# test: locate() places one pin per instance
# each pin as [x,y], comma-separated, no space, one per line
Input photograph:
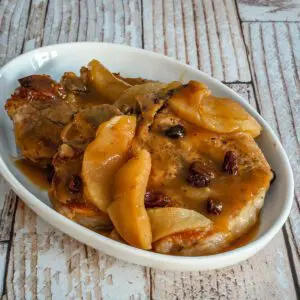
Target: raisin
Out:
[198,167]
[75,184]
[156,199]
[198,176]
[198,180]
[214,206]
[175,132]
[50,173]
[230,164]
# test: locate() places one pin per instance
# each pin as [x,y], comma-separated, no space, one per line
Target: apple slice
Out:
[106,83]
[169,220]
[195,105]
[127,211]
[130,97]
[104,156]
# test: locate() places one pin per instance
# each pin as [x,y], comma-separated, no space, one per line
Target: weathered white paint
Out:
[35,25]
[238,282]
[3,256]
[266,10]
[45,263]
[274,60]
[205,34]
[7,207]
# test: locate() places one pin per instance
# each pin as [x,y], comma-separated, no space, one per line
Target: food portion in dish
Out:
[165,167]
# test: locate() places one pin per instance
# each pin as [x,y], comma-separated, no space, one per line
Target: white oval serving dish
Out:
[133,62]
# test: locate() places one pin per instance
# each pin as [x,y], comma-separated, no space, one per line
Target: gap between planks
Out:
[274,68]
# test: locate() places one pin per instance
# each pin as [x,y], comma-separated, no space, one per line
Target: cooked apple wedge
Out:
[195,105]
[127,211]
[169,220]
[107,85]
[129,99]
[104,156]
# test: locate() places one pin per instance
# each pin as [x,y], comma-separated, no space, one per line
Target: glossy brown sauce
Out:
[92,97]
[35,174]
[172,158]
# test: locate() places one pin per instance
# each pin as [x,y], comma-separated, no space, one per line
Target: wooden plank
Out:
[133,23]
[205,34]
[13,19]
[265,276]
[62,22]
[93,20]
[52,23]
[246,280]
[7,9]
[266,10]
[272,54]
[35,25]
[45,263]
[8,201]
[3,255]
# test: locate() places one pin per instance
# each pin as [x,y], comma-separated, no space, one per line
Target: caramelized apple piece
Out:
[129,99]
[107,85]
[186,103]
[169,220]
[195,104]
[104,156]
[127,211]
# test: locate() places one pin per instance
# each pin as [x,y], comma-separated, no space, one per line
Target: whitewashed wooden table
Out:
[251,45]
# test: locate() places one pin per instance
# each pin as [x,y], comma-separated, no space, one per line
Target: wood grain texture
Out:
[265,276]
[25,24]
[46,264]
[93,20]
[3,256]
[35,25]
[8,201]
[13,20]
[205,34]
[274,60]
[21,27]
[269,10]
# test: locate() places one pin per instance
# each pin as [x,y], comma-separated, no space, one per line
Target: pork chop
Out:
[66,188]
[41,107]
[241,193]
[39,113]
